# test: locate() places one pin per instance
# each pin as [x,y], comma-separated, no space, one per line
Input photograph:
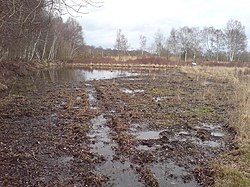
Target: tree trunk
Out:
[185,58]
[231,57]
[44,47]
[34,46]
[52,49]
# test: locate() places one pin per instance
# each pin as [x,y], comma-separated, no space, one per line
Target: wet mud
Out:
[78,127]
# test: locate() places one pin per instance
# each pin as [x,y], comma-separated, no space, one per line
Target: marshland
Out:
[183,126]
[124,93]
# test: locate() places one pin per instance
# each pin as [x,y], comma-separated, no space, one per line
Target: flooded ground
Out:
[93,127]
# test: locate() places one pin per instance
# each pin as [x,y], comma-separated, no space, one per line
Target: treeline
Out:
[229,44]
[34,29]
[192,43]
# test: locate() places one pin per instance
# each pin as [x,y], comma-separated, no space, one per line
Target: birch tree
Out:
[159,42]
[208,40]
[121,43]
[174,43]
[26,28]
[117,45]
[143,42]
[185,40]
[73,36]
[195,41]
[236,39]
[218,42]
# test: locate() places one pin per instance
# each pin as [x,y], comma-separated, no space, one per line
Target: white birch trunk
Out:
[185,56]
[44,47]
[34,46]
[52,49]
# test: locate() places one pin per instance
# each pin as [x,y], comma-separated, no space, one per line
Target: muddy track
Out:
[168,126]
[149,129]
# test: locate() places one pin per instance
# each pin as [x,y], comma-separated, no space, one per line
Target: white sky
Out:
[145,17]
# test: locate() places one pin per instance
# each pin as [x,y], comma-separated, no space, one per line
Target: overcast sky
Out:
[146,17]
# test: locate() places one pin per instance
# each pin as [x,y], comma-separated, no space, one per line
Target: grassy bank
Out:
[233,168]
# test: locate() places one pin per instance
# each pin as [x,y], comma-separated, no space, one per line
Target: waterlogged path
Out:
[94,127]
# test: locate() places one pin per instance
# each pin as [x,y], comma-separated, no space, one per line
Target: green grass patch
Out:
[202,110]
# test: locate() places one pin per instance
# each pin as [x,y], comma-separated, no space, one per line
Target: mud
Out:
[78,127]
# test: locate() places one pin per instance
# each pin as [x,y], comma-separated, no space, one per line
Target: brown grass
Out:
[233,168]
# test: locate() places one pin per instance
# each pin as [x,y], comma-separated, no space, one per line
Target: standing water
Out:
[118,173]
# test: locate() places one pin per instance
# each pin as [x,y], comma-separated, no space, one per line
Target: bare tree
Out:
[195,41]
[28,30]
[218,42]
[159,42]
[174,43]
[124,44]
[118,42]
[185,40]
[73,36]
[143,42]
[236,40]
[121,43]
[208,40]
[70,7]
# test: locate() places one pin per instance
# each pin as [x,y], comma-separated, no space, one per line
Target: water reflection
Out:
[80,74]
[39,81]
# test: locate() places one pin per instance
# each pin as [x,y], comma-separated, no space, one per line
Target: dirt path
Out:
[154,129]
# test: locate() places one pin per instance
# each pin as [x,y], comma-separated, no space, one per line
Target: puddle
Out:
[157,99]
[100,137]
[144,147]
[184,136]
[183,133]
[146,135]
[215,129]
[128,91]
[178,139]
[208,126]
[136,127]
[190,136]
[93,102]
[171,175]
[101,74]
[209,143]
[121,174]
[64,159]
[147,147]
[118,173]
[142,132]
[99,129]
[217,134]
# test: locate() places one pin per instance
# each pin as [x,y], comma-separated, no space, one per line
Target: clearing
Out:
[119,127]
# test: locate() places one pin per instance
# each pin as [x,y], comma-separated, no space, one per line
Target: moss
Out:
[202,110]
